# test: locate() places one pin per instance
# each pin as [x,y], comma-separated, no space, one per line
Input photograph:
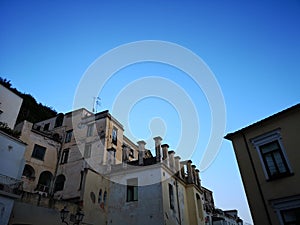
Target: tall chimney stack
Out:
[141,151]
[165,158]
[197,172]
[158,140]
[189,172]
[194,174]
[172,160]
[177,166]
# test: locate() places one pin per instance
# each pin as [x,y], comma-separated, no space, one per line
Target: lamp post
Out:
[77,218]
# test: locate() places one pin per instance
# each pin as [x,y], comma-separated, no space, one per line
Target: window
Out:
[65,156]
[171,196]
[132,190]
[46,127]
[100,196]
[104,197]
[68,136]
[272,155]
[59,183]
[38,152]
[90,130]
[114,136]
[287,209]
[28,172]
[131,154]
[291,216]
[273,158]
[87,151]
[199,205]
[44,181]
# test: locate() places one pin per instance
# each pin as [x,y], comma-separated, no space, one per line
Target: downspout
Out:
[179,215]
[51,191]
[256,178]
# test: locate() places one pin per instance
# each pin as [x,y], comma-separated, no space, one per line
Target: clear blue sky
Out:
[253,48]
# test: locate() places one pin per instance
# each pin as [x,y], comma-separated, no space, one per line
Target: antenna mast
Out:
[96,103]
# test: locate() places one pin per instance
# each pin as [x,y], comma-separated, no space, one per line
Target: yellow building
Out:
[268,157]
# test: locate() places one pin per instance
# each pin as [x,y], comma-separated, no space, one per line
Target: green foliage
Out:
[30,109]
[7,130]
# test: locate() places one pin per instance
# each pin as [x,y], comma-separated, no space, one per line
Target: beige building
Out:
[84,160]
[268,157]
[65,157]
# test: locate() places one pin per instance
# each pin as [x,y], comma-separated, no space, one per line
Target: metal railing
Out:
[10,185]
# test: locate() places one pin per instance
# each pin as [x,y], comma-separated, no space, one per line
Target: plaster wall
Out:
[10,105]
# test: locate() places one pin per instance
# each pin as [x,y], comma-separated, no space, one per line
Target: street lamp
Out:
[64,214]
[77,218]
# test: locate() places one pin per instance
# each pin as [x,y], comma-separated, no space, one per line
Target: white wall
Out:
[11,156]
[6,205]
[10,105]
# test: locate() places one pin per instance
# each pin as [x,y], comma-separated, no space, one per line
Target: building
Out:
[11,167]
[215,216]
[155,190]
[268,156]
[66,156]
[10,105]
[84,161]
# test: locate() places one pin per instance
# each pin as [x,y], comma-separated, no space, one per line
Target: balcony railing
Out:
[10,186]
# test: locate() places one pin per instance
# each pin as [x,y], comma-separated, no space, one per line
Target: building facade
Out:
[268,157]
[155,190]
[11,166]
[84,161]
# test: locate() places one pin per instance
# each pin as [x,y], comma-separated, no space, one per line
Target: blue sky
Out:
[253,49]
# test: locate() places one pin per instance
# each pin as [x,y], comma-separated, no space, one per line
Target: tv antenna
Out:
[96,103]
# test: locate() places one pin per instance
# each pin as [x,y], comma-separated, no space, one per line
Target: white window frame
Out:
[283,204]
[87,150]
[268,138]
[90,130]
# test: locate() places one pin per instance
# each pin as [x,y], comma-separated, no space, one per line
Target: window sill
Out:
[280,176]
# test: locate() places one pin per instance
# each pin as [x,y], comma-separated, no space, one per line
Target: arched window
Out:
[44,181]
[199,205]
[100,196]
[59,183]
[104,197]
[28,172]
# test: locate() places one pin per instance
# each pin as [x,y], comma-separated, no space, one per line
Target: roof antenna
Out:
[96,103]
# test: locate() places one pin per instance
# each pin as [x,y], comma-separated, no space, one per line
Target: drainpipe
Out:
[51,189]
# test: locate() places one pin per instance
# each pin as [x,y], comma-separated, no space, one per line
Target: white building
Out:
[11,167]
[10,105]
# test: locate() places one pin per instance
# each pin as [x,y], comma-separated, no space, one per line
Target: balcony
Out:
[10,187]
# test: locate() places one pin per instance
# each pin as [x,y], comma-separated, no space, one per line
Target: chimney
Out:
[172,160]
[165,149]
[183,164]
[194,174]
[189,172]
[125,155]
[141,152]
[177,166]
[197,178]
[111,153]
[157,148]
